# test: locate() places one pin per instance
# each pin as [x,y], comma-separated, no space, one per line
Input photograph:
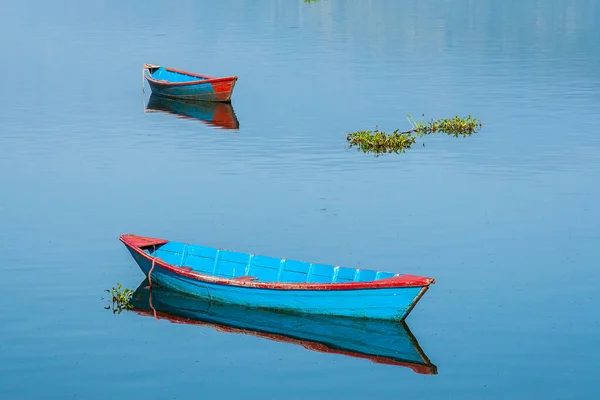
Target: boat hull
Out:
[383,342]
[394,303]
[220,91]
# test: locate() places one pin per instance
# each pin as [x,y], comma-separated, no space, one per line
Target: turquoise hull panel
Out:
[388,303]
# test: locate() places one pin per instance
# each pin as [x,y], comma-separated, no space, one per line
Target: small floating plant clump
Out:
[379,142]
[452,126]
[119,299]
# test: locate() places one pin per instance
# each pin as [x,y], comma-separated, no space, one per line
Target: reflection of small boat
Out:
[212,113]
[384,342]
[276,283]
[170,82]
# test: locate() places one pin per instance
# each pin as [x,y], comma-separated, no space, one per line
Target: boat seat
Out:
[246,278]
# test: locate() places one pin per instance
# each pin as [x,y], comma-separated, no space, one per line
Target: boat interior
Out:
[162,74]
[244,266]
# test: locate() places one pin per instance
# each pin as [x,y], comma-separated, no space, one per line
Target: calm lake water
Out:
[506,220]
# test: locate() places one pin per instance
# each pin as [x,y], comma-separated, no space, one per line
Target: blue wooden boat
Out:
[220,115]
[169,82]
[275,283]
[380,341]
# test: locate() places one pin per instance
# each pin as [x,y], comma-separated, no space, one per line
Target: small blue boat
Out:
[169,82]
[276,283]
[379,341]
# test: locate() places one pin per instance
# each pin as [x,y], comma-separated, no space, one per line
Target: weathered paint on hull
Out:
[210,91]
[384,342]
[384,303]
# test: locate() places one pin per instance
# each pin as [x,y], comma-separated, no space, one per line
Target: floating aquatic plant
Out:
[379,142]
[452,126]
[119,299]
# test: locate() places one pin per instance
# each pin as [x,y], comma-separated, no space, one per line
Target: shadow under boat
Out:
[380,341]
[216,114]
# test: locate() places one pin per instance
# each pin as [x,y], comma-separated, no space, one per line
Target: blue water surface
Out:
[506,220]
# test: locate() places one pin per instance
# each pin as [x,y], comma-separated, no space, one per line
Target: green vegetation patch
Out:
[379,142]
[119,299]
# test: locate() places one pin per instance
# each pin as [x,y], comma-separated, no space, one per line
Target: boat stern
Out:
[150,67]
[139,242]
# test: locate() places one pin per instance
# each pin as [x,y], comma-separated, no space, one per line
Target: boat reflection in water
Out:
[220,115]
[383,342]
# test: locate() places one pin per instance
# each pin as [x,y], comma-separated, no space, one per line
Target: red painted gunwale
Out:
[205,79]
[426,369]
[137,243]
